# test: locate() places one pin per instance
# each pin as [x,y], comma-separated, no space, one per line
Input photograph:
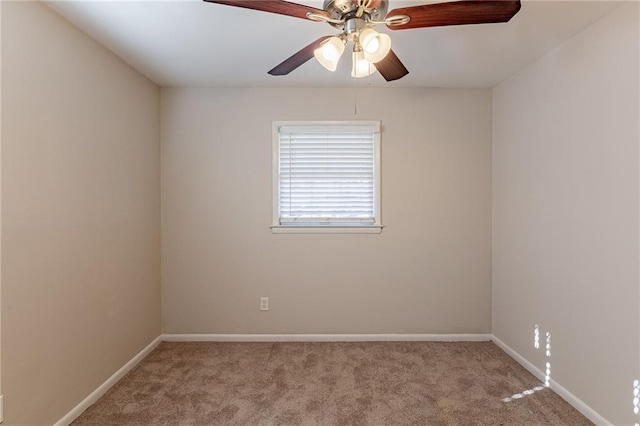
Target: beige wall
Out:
[565,212]
[429,270]
[80,214]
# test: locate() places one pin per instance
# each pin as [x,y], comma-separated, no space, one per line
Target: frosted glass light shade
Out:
[329,53]
[361,67]
[374,45]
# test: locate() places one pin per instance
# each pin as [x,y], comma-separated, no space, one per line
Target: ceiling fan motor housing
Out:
[342,9]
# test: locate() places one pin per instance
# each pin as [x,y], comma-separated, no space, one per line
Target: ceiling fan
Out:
[355,19]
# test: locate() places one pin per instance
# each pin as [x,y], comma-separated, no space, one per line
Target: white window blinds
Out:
[328,174]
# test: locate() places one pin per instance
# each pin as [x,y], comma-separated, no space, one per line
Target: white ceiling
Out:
[193,43]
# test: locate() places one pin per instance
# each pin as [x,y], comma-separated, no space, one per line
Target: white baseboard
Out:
[103,388]
[326,337]
[576,402]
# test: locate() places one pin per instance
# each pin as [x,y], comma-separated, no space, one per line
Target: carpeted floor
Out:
[372,383]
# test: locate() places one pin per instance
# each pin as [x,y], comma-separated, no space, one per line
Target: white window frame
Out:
[318,228]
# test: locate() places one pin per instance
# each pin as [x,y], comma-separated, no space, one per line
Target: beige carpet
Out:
[390,383]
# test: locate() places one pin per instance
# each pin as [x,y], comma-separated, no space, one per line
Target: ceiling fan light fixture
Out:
[361,67]
[329,53]
[374,45]
[355,19]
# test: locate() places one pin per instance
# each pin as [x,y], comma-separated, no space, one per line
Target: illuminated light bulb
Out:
[361,67]
[329,53]
[372,47]
[375,45]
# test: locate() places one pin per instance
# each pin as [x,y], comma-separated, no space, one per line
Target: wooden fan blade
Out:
[298,58]
[281,7]
[457,13]
[391,68]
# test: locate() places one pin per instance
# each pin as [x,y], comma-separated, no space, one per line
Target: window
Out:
[326,177]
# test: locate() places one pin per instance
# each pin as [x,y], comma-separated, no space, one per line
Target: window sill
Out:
[325,229]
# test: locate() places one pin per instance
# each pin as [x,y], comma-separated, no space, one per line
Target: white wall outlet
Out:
[264,303]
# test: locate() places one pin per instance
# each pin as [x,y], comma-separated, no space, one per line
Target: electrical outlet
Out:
[264,303]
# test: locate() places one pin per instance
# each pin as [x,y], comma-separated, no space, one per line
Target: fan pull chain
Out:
[355,97]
